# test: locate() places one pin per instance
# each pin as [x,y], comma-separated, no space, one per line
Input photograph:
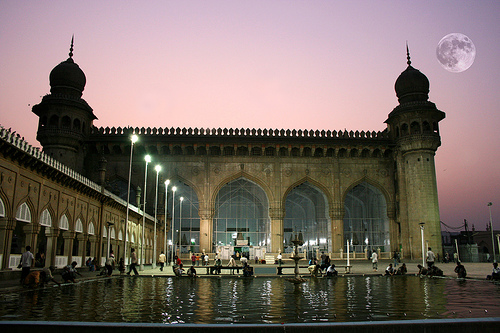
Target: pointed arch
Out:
[120,235]
[46,218]
[312,181]
[64,222]
[91,228]
[79,226]
[23,213]
[246,175]
[2,208]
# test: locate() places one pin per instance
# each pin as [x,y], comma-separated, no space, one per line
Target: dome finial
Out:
[408,54]
[71,47]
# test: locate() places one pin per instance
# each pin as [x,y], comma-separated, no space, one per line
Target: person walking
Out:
[110,264]
[161,260]
[27,261]
[133,262]
[374,259]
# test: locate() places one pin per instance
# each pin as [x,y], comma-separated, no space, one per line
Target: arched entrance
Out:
[306,213]
[366,225]
[241,216]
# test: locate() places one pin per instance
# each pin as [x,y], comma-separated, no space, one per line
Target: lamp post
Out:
[172,226]
[158,169]
[423,246]
[165,229]
[180,224]
[147,158]
[133,139]
[492,237]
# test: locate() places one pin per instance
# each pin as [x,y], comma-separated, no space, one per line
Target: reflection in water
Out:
[255,300]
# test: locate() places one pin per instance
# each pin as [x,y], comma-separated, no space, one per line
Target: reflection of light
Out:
[322,240]
[366,240]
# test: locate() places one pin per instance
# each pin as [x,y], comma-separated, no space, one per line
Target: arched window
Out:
[54,121]
[2,208]
[91,229]
[66,122]
[283,151]
[228,151]
[63,223]
[366,224]
[79,225]
[318,152]
[256,151]
[295,152]
[23,213]
[306,214]
[76,125]
[270,151]
[404,129]
[46,219]
[415,128]
[242,151]
[241,215]
[215,150]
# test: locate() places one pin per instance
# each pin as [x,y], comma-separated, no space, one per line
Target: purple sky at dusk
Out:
[268,64]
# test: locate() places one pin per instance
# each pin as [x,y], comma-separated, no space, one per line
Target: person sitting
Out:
[421,270]
[460,270]
[495,274]
[247,270]
[389,271]
[191,271]
[39,278]
[434,271]
[69,272]
[331,271]
[402,270]
[178,270]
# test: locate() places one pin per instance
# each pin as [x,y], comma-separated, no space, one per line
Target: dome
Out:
[67,78]
[411,86]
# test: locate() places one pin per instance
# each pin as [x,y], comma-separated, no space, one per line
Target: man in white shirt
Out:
[430,258]
[27,261]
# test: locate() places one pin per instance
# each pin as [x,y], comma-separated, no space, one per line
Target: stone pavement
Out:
[9,281]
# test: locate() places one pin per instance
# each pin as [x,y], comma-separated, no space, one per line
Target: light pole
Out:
[133,139]
[165,229]
[147,158]
[423,246]
[492,237]
[180,224]
[172,226]
[158,169]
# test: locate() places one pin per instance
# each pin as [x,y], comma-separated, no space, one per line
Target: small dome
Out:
[411,86]
[67,78]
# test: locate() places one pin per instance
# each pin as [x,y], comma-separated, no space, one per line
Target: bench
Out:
[279,270]
[215,270]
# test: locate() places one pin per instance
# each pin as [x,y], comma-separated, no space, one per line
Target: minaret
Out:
[65,118]
[413,126]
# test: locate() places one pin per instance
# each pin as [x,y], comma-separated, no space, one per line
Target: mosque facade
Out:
[243,190]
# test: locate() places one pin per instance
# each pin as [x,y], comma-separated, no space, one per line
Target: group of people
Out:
[316,267]
[390,270]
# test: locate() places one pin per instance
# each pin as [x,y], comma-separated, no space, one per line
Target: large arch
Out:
[241,215]
[307,215]
[366,224]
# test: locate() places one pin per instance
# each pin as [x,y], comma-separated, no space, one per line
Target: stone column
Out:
[93,246]
[206,230]
[337,218]
[277,215]
[82,246]
[52,234]
[7,226]
[31,231]
[69,237]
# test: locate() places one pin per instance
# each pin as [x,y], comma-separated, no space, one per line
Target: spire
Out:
[71,47]
[408,54]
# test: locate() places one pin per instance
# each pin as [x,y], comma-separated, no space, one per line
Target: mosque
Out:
[219,190]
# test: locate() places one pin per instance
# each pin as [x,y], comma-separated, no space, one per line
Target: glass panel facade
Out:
[306,213]
[241,215]
[366,224]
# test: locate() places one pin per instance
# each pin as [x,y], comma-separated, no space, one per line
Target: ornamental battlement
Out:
[239,132]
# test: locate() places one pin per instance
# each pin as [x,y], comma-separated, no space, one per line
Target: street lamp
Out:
[165,229]
[147,158]
[133,139]
[423,246]
[492,237]
[158,169]
[172,226]
[180,224]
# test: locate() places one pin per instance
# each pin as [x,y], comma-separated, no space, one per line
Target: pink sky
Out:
[267,64]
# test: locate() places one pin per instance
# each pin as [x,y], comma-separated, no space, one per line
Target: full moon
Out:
[456,52]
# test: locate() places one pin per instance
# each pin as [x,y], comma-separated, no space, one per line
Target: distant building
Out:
[244,190]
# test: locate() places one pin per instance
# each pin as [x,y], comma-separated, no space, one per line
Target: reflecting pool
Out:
[255,300]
